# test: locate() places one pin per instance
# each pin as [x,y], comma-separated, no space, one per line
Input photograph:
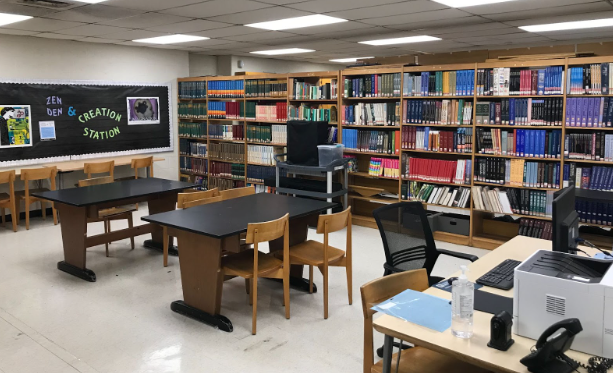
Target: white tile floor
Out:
[51,322]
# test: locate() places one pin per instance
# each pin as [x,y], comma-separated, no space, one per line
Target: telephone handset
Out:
[548,355]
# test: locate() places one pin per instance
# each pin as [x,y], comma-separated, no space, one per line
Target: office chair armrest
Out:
[391,269]
[455,254]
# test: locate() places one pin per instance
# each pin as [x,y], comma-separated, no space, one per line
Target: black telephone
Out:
[548,356]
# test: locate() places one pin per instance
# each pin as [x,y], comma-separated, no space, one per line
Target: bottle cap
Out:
[463,275]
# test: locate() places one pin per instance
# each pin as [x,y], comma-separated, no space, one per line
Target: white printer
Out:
[553,286]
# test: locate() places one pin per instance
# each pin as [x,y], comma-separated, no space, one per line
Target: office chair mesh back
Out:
[407,238]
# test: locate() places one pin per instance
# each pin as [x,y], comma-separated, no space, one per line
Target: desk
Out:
[76,205]
[201,232]
[474,350]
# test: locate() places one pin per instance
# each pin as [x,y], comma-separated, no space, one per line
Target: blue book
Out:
[511,112]
[609,181]
[426,135]
[542,148]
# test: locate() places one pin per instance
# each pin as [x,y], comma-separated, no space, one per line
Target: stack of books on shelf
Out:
[519,143]
[588,177]
[199,166]
[594,79]
[373,85]
[326,90]
[192,110]
[384,167]
[225,184]
[439,83]
[202,182]
[517,172]
[506,81]
[266,112]
[226,110]
[372,114]
[257,174]
[440,112]
[226,132]
[230,170]
[521,112]
[192,90]
[352,166]
[597,146]
[535,228]
[193,130]
[381,142]
[263,155]
[513,201]
[276,134]
[436,170]
[226,89]
[436,194]
[593,212]
[265,88]
[434,140]
[194,149]
[314,113]
[589,112]
[227,152]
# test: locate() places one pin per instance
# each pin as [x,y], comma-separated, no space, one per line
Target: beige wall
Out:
[202,65]
[274,66]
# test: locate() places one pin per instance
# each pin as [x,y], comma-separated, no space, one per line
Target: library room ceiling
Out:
[493,26]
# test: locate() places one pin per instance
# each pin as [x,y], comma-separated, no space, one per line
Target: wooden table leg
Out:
[74,234]
[202,280]
[157,205]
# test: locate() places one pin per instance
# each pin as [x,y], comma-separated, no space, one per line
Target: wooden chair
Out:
[36,174]
[322,255]
[7,201]
[99,168]
[413,360]
[113,213]
[252,264]
[237,192]
[138,163]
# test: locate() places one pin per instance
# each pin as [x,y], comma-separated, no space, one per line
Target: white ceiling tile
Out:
[92,30]
[146,20]
[288,41]
[424,26]
[261,36]
[7,31]
[599,6]
[513,6]
[324,6]
[416,6]
[94,13]
[493,32]
[52,35]
[261,15]
[408,19]
[133,34]
[242,45]
[331,30]
[24,10]
[498,42]
[209,43]
[100,40]
[189,26]
[151,5]
[43,25]
[280,2]
[229,31]
[215,8]
[479,27]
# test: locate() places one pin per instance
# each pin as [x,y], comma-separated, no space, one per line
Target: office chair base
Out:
[219,321]
[297,283]
[152,245]
[84,274]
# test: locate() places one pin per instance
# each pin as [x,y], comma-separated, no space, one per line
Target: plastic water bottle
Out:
[462,306]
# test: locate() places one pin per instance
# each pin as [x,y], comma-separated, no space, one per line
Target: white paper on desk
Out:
[419,308]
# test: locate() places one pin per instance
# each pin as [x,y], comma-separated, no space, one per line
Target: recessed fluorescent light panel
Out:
[7,19]
[354,59]
[275,52]
[297,22]
[467,3]
[409,39]
[576,25]
[171,39]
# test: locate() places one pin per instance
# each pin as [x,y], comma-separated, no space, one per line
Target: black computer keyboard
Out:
[501,277]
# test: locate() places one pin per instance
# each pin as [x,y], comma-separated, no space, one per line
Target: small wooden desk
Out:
[474,350]
[76,205]
[201,232]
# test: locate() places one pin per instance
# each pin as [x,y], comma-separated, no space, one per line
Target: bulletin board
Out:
[51,121]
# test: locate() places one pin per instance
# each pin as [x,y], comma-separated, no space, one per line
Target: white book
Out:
[445,198]
[578,172]
[475,199]
[432,195]
[450,202]
[506,204]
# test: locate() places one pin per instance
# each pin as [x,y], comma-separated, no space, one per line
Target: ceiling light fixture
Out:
[575,25]
[354,59]
[275,52]
[467,3]
[170,39]
[7,19]
[406,40]
[297,22]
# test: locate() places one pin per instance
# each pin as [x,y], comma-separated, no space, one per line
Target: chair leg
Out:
[286,291]
[131,225]
[27,206]
[310,279]
[349,283]
[325,291]
[254,292]
[43,210]
[165,245]
[54,212]
[3,217]
[107,229]
[247,286]
[250,284]
[14,216]
[17,211]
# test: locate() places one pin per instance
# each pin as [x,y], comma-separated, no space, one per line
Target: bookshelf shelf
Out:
[326,101]
[567,160]
[349,151]
[514,157]
[223,160]
[596,225]
[192,119]
[227,177]
[225,99]
[518,215]
[265,121]
[372,98]
[446,207]
[225,120]
[368,176]
[255,182]
[438,125]
[589,128]
[586,95]
[518,127]
[511,186]
[471,97]
[436,182]
[265,143]
[192,156]
[193,99]
[226,140]
[284,98]
[260,164]
[521,96]
[371,127]
[374,199]
[431,152]
[193,138]
[193,173]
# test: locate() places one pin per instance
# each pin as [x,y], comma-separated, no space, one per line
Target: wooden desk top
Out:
[475,350]
[70,166]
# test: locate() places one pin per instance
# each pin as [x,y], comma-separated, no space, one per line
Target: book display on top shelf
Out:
[524,81]
[266,88]
[589,79]
[439,83]
[315,88]
[372,85]
[226,89]
[192,90]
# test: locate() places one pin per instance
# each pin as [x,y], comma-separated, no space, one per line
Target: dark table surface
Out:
[96,194]
[231,217]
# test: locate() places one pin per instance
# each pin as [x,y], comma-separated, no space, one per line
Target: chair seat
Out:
[241,264]
[22,193]
[4,197]
[312,253]
[113,211]
[422,360]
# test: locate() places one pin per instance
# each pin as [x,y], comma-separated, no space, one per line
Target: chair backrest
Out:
[407,238]
[96,181]
[43,173]
[335,222]
[203,201]
[138,163]
[237,192]
[380,290]
[8,177]
[183,198]
[267,231]
[99,168]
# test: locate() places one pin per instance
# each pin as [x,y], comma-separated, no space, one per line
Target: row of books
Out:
[191,148]
[227,152]
[384,167]
[192,90]
[192,110]
[589,112]
[327,89]
[436,194]
[372,114]
[226,131]
[432,139]
[226,110]
[273,112]
[193,130]
[314,113]
[521,112]
[226,89]
[332,135]
[439,83]
[257,174]
[265,88]
[352,165]
[596,146]
[445,112]
[593,212]
[200,166]
[263,188]
[225,184]
[517,172]
[589,177]
[519,143]
[263,155]
[594,79]
[436,170]
[505,81]
[202,182]
[231,170]
[276,133]
[513,201]
[535,228]
[373,85]
[382,142]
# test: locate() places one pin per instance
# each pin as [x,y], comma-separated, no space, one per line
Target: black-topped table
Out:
[201,232]
[76,205]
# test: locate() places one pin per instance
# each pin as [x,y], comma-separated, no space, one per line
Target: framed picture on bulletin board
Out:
[143,110]
[15,126]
